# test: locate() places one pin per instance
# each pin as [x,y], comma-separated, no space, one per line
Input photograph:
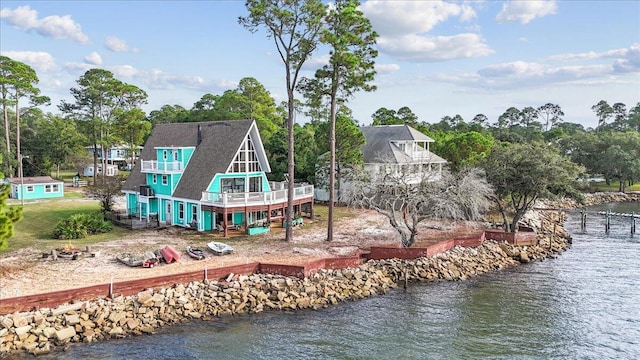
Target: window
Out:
[194,213]
[181,211]
[164,155]
[165,180]
[29,188]
[154,178]
[233,185]
[247,158]
[255,184]
[175,155]
[48,188]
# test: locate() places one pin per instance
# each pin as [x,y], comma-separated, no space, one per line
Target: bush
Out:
[78,226]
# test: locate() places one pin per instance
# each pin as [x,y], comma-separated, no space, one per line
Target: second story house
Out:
[399,150]
[208,176]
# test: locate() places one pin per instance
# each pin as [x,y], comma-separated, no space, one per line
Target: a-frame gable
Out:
[250,155]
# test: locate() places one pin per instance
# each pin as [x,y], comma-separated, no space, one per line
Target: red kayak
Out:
[169,254]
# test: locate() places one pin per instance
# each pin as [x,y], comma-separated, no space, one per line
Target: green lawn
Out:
[40,218]
[614,186]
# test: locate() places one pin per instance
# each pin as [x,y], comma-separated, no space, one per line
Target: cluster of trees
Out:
[525,154]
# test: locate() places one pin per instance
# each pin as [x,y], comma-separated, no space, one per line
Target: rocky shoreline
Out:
[46,330]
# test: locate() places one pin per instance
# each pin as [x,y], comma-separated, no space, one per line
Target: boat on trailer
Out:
[219,248]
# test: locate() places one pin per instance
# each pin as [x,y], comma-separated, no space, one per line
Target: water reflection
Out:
[582,305]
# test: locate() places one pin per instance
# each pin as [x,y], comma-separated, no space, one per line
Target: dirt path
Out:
[26,272]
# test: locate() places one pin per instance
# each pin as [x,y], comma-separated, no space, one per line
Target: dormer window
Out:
[175,155]
[164,155]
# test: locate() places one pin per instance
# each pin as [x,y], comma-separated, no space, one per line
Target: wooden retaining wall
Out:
[520,238]
[131,287]
[383,252]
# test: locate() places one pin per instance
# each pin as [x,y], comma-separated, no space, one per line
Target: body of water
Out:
[585,304]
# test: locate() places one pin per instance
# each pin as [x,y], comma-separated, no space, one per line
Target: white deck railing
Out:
[161,166]
[255,198]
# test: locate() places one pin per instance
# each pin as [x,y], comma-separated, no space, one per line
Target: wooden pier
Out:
[607,219]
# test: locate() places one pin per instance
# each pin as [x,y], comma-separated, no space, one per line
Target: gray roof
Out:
[220,142]
[33,180]
[378,146]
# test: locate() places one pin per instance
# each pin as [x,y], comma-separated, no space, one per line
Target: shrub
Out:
[78,226]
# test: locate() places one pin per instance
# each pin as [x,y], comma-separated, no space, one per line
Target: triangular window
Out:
[247,159]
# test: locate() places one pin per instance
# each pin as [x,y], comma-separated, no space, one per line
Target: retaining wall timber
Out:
[520,238]
[131,287]
[383,252]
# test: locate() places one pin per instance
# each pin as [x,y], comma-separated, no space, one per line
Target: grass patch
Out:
[612,187]
[40,218]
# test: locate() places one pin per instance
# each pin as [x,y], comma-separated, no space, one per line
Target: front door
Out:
[168,213]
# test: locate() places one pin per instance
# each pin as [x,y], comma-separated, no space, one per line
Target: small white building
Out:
[112,170]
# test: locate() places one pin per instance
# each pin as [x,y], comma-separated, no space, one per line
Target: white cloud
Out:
[384,69]
[118,45]
[316,62]
[54,26]
[403,28]
[74,68]
[393,18]
[422,48]
[93,59]
[525,11]
[40,61]
[625,60]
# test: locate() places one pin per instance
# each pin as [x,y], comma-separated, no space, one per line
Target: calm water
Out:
[583,305]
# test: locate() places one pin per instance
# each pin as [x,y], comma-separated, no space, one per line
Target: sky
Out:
[439,58]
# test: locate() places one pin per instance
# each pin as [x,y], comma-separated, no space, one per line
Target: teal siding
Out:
[132,204]
[38,191]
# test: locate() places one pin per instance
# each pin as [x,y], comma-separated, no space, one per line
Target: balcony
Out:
[162,167]
[255,198]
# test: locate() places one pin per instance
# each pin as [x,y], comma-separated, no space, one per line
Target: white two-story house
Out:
[398,150]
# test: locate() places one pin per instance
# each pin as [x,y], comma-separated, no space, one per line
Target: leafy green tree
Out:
[99,99]
[384,116]
[407,116]
[523,173]
[350,38]
[349,142]
[512,116]
[8,214]
[60,138]
[465,149]
[551,114]
[620,117]
[294,26]
[480,119]
[529,117]
[133,128]
[17,80]
[169,114]
[634,118]
[618,157]
[603,111]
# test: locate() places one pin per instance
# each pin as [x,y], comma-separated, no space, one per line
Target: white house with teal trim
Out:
[35,187]
[209,176]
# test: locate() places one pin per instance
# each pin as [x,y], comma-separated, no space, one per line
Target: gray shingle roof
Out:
[378,145]
[220,142]
[30,180]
